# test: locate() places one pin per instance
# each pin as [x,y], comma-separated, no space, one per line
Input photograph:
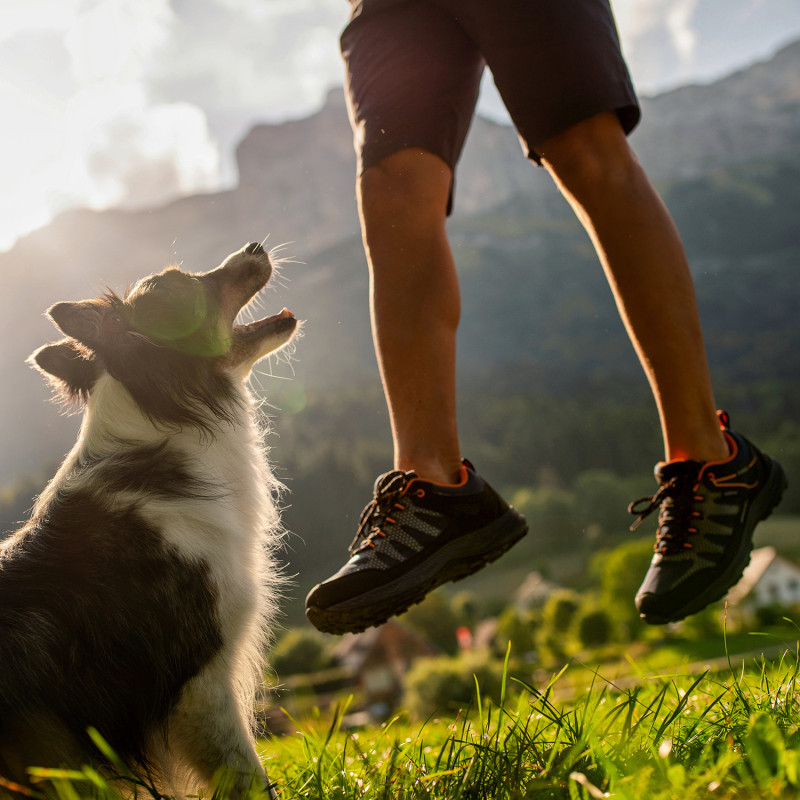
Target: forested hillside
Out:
[550,391]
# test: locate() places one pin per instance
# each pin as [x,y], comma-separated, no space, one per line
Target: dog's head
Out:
[172,341]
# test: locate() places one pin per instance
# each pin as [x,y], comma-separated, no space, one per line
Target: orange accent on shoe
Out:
[727,481]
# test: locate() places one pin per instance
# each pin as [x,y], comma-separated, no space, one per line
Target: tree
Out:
[604,499]
[619,573]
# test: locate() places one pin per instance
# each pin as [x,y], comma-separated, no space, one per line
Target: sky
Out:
[130,103]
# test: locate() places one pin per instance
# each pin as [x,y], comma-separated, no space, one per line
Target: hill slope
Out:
[548,378]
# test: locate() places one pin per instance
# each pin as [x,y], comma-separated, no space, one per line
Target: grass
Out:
[731,734]
[728,735]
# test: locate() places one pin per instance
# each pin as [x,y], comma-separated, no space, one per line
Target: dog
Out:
[138,599]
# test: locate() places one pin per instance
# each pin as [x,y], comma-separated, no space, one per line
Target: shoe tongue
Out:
[389,481]
[666,471]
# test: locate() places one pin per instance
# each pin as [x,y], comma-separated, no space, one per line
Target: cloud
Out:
[133,102]
[671,42]
[82,127]
[659,39]
[246,61]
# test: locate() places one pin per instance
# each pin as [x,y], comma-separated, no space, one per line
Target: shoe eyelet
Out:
[420,493]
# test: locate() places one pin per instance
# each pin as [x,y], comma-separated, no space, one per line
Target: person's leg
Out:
[415,307]
[412,82]
[643,257]
[432,519]
[715,485]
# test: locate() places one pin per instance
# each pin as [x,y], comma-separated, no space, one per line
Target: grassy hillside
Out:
[725,734]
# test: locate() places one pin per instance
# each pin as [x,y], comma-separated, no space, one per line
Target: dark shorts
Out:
[413,70]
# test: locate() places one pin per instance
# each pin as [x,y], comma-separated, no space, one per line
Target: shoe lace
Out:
[675,500]
[374,517]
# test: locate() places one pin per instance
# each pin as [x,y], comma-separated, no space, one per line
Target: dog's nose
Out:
[254,249]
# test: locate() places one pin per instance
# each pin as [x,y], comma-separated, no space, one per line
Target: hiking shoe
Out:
[412,537]
[707,514]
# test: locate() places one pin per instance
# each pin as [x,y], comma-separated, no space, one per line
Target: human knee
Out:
[592,155]
[409,188]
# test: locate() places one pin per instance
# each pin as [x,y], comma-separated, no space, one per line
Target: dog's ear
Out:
[70,370]
[78,320]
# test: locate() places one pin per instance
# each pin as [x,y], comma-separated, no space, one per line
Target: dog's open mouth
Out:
[253,340]
[284,321]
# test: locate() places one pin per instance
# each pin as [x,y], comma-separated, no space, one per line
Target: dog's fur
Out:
[138,598]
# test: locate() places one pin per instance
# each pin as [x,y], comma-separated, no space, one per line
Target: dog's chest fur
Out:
[206,496]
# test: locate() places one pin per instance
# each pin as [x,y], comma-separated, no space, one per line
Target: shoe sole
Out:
[762,507]
[455,561]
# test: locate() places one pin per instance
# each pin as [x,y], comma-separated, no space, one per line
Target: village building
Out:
[379,659]
[769,580]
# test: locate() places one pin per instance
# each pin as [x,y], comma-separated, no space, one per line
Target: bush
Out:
[448,684]
[593,626]
[300,652]
[518,628]
[557,616]
[619,573]
[604,499]
[768,616]
[559,610]
[467,608]
[551,513]
[435,619]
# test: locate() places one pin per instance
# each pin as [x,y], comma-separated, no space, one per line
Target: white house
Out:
[768,580]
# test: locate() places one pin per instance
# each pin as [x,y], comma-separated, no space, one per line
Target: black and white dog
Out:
[138,598]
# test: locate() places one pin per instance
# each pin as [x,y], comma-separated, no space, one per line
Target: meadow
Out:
[729,733]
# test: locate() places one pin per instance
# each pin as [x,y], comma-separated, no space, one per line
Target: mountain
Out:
[724,154]
[753,114]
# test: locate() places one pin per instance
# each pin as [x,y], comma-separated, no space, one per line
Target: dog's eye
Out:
[115,321]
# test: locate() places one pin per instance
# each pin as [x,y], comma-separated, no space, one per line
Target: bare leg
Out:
[646,266]
[415,305]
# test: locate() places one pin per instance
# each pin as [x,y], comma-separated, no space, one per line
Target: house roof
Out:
[534,591]
[355,648]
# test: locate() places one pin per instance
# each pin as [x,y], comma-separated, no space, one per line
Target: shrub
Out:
[300,652]
[519,628]
[448,684]
[435,619]
[619,573]
[593,626]
[551,513]
[557,616]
